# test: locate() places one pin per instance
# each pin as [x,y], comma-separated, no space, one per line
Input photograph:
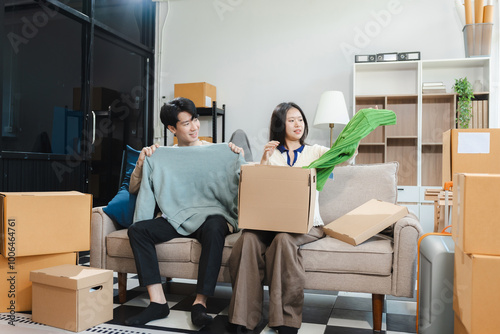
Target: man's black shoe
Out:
[199,315]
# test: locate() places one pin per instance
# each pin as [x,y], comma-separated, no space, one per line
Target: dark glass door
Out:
[120,105]
[66,66]
[42,134]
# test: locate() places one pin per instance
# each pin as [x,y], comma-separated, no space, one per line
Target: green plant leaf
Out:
[465,94]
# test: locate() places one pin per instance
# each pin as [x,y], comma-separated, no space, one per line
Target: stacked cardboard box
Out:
[39,230]
[476,232]
[470,151]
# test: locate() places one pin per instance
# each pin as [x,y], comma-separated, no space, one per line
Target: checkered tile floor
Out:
[325,312]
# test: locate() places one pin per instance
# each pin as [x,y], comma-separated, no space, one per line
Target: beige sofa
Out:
[381,266]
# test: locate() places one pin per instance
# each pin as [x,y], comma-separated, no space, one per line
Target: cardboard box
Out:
[72,297]
[458,326]
[277,198]
[476,291]
[365,221]
[201,93]
[15,284]
[37,223]
[470,151]
[475,222]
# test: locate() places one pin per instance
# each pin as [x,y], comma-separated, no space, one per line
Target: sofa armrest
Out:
[100,226]
[407,231]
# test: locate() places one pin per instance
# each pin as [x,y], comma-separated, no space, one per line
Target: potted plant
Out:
[465,93]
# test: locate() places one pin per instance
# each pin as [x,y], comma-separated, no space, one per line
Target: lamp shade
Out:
[331,109]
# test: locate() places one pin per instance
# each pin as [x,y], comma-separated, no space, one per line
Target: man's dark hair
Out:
[169,112]
[277,129]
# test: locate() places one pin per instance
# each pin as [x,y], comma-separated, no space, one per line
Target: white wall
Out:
[262,52]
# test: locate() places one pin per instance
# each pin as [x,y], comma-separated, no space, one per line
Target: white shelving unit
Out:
[416,140]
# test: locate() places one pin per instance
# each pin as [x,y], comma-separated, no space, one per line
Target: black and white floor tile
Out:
[325,312]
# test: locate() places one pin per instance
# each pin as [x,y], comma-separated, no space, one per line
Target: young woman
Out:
[260,257]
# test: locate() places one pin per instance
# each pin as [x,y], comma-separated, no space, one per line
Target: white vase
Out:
[477,86]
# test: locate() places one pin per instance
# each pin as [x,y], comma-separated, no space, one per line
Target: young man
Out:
[181,118]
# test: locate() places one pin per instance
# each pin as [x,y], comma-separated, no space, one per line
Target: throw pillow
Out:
[131,157]
[121,208]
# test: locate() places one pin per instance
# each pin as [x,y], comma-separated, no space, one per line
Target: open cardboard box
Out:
[277,198]
[365,221]
[72,297]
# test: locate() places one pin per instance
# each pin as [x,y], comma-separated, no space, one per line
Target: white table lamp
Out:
[331,110]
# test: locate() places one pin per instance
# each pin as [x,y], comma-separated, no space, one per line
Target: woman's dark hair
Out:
[277,129]
[169,112]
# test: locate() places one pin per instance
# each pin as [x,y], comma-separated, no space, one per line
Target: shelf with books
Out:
[421,94]
[480,111]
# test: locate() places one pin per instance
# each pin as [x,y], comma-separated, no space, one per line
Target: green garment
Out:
[363,122]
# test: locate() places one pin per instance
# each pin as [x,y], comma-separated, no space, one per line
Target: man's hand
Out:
[236,149]
[146,152]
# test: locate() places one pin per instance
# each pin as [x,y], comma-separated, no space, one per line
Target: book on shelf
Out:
[479,118]
[432,84]
[433,88]
[473,120]
[485,114]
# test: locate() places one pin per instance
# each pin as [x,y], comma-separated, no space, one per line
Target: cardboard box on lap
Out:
[72,297]
[365,221]
[37,223]
[459,327]
[470,151]
[475,222]
[476,292]
[15,284]
[201,93]
[277,198]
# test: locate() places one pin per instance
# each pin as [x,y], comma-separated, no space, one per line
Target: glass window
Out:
[79,5]
[41,68]
[124,16]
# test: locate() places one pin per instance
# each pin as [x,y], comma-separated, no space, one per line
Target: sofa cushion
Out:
[121,207]
[372,257]
[175,250]
[352,186]
[226,252]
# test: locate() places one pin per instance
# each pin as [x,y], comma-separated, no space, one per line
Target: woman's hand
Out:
[146,152]
[236,149]
[268,151]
